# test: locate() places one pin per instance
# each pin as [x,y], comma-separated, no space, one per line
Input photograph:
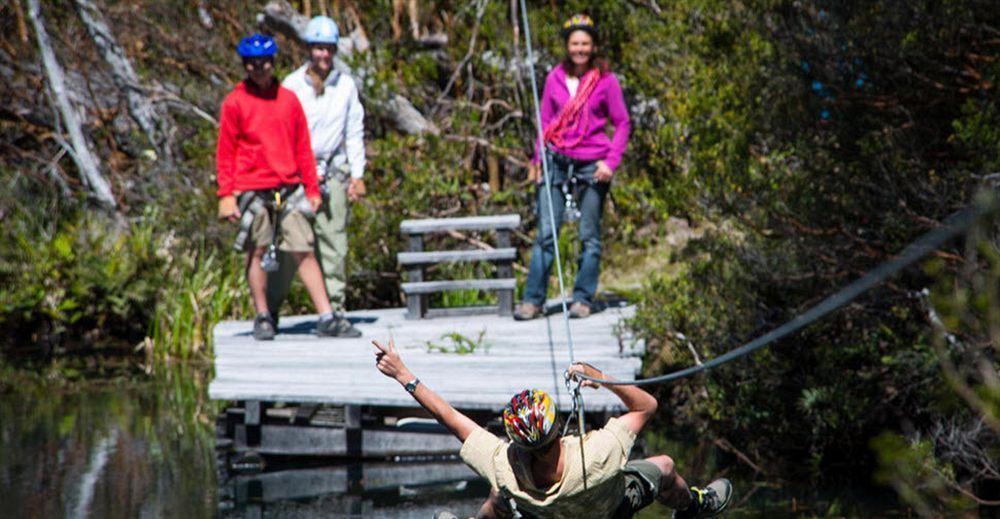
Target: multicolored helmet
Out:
[579,22]
[530,419]
[257,46]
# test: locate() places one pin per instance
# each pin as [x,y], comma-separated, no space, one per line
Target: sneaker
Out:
[526,312]
[579,310]
[337,327]
[709,501]
[263,328]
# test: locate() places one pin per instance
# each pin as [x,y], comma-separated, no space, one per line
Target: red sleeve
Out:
[303,149]
[225,151]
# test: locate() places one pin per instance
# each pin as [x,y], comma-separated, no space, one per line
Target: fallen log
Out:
[151,118]
[280,16]
[77,146]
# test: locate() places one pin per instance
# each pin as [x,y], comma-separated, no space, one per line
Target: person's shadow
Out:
[309,327]
[602,302]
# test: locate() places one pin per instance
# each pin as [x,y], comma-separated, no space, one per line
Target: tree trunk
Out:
[78,145]
[152,119]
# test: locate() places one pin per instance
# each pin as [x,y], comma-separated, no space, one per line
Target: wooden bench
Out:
[415,260]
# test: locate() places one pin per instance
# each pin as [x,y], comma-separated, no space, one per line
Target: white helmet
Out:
[322,29]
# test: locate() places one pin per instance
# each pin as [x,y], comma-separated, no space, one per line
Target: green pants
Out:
[330,227]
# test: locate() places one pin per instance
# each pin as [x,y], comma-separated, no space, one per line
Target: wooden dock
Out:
[304,395]
[508,356]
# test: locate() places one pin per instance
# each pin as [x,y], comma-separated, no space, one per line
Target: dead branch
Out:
[282,17]
[205,17]
[22,28]
[78,146]
[724,444]
[506,153]
[481,245]
[480,10]
[152,119]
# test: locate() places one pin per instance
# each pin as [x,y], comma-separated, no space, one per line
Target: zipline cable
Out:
[545,174]
[954,225]
[577,395]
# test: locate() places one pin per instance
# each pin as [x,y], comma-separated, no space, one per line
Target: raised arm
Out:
[641,405]
[391,365]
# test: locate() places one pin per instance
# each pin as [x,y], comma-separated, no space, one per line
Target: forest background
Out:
[780,149]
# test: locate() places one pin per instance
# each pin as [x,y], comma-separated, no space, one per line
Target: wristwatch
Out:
[411,386]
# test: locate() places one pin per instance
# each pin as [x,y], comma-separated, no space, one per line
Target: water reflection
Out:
[371,489]
[119,450]
[148,449]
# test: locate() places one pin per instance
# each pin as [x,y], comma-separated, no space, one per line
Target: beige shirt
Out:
[508,469]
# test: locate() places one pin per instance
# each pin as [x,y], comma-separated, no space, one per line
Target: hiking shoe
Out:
[526,312]
[709,501]
[337,327]
[579,310]
[263,328]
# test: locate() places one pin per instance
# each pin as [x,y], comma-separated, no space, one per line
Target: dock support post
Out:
[505,298]
[416,304]
[353,432]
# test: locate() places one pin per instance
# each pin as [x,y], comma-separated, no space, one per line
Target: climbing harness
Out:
[278,203]
[573,187]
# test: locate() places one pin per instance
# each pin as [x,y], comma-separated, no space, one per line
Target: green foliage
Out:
[78,278]
[815,130]
[919,478]
[460,344]
[208,288]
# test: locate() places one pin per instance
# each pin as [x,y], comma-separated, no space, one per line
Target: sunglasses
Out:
[258,63]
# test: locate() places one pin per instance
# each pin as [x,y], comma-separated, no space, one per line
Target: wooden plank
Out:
[317,482]
[470,223]
[455,256]
[326,441]
[430,287]
[491,400]
[462,311]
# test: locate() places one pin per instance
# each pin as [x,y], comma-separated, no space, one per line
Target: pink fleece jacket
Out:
[606,102]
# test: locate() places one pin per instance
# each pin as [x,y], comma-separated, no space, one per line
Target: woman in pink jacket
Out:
[581,96]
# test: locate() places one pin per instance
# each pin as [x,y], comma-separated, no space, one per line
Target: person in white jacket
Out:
[336,129]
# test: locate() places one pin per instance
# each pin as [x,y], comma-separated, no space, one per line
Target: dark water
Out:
[145,446]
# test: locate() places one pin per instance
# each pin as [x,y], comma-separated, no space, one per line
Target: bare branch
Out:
[153,121]
[282,17]
[78,146]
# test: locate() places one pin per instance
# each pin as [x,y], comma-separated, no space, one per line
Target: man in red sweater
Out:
[264,152]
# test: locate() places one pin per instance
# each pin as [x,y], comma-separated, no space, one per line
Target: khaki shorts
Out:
[642,484]
[296,232]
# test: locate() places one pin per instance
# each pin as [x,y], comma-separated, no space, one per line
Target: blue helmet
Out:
[322,29]
[257,46]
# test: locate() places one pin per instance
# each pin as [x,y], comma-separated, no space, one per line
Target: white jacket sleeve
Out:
[354,134]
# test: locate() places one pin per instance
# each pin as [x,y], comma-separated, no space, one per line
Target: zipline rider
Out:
[264,155]
[539,474]
[336,129]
